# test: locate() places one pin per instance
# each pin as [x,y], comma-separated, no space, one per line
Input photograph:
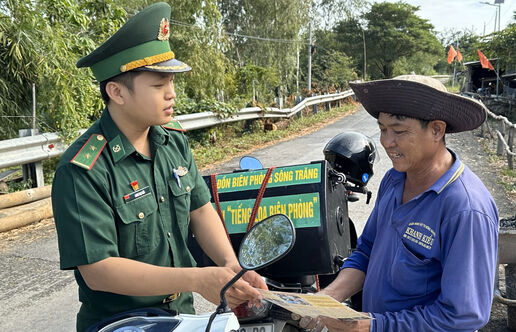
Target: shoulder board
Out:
[90,151]
[174,125]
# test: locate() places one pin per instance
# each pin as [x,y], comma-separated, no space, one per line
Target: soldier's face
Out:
[152,98]
[409,146]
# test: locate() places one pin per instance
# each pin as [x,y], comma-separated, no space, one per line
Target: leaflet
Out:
[312,305]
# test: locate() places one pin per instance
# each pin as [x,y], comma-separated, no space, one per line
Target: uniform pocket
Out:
[409,274]
[139,227]
[181,198]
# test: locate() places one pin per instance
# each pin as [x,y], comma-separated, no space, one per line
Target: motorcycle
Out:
[266,243]
[347,168]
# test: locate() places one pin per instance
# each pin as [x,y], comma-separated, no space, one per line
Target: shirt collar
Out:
[445,180]
[450,176]
[119,145]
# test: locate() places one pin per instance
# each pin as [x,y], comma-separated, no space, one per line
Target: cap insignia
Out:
[164,31]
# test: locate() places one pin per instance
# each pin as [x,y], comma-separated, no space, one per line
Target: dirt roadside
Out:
[470,147]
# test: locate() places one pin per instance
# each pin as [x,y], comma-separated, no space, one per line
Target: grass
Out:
[238,140]
[508,179]
[506,176]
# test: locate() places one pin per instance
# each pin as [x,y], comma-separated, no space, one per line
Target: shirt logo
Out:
[420,234]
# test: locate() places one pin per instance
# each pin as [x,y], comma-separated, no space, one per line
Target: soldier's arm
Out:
[129,277]
[209,233]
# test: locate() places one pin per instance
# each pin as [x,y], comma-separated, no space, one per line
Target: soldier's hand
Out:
[214,278]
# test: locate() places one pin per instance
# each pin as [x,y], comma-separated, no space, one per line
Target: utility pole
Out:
[33,108]
[499,2]
[297,70]
[365,56]
[309,56]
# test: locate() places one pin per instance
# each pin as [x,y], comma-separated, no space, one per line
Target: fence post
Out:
[499,145]
[33,171]
[314,106]
[510,143]
[483,128]
[328,106]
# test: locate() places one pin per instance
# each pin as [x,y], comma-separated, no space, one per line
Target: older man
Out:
[426,259]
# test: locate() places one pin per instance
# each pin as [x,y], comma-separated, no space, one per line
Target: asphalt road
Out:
[36,296]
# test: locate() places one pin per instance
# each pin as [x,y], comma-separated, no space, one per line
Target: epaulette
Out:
[174,125]
[90,151]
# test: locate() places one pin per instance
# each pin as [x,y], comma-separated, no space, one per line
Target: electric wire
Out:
[235,34]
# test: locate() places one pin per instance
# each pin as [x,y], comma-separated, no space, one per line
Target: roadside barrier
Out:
[34,149]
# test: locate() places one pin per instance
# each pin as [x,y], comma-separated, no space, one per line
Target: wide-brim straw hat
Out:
[420,97]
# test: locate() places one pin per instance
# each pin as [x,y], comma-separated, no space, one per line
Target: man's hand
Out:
[333,324]
[214,278]
[337,325]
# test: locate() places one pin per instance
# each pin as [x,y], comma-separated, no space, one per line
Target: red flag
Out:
[459,56]
[484,61]
[451,54]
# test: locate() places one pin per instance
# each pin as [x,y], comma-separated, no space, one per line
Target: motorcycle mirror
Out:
[250,163]
[267,242]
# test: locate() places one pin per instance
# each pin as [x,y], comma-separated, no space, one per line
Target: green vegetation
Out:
[239,140]
[244,52]
[508,180]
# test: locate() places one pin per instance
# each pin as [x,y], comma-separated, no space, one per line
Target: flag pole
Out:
[454,68]
[498,79]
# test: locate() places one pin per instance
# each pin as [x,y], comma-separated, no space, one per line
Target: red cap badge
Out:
[164,31]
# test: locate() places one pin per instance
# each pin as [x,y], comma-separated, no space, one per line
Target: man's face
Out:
[409,146]
[152,99]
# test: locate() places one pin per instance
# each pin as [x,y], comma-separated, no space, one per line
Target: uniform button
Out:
[187,188]
[141,215]
[168,234]
[162,199]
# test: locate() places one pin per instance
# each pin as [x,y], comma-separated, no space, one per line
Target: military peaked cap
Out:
[141,44]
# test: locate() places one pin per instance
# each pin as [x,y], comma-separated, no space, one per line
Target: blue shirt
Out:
[430,262]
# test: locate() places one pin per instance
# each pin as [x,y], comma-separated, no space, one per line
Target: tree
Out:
[41,40]
[349,36]
[501,45]
[265,33]
[466,41]
[393,32]
[331,68]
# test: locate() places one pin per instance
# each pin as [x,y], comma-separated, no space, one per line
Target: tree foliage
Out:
[501,45]
[41,40]
[238,49]
[274,29]
[394,32]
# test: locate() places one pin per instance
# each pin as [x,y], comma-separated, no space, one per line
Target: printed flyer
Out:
[312,305]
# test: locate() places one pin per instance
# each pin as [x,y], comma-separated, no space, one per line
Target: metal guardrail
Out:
[30,149]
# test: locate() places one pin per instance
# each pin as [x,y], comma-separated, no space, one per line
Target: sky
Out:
[463,14]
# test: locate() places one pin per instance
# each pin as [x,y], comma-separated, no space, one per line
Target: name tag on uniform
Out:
[137,194]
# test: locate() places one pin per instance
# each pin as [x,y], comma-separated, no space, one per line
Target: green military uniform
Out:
[111,201]
[126,205]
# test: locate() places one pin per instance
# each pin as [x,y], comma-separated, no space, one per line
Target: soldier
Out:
[127,191]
